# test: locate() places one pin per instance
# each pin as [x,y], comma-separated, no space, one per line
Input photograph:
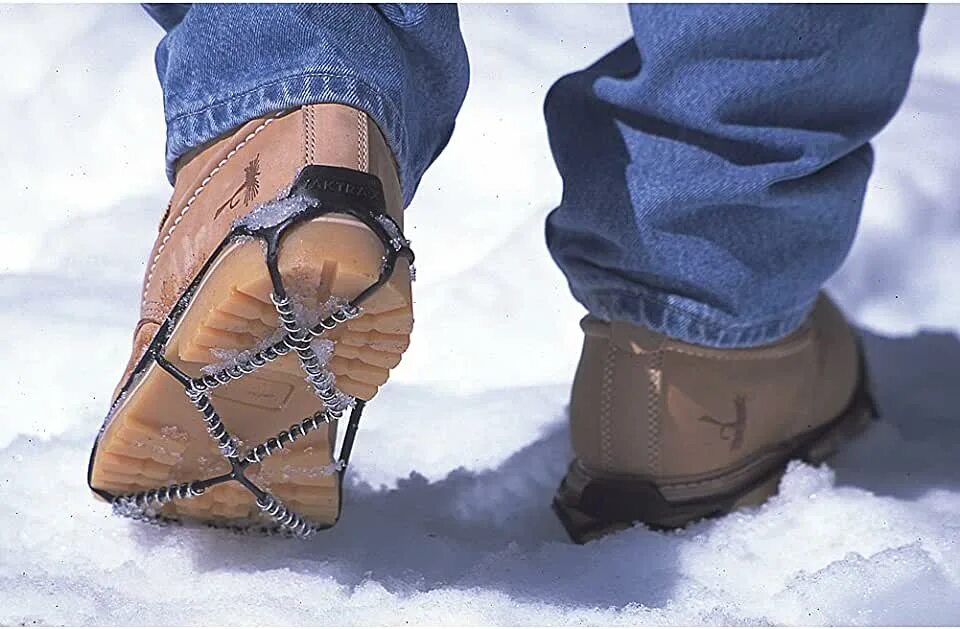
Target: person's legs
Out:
[714,166]
[405,65]
[714,169]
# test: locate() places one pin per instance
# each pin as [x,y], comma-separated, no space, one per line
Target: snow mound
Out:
[479,547]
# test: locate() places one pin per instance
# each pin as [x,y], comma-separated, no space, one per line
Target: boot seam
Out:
[309,135]
[606,407]
[196,193]
[363,142]
[654,384]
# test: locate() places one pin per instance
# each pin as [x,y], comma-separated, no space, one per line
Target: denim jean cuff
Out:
[690,322]
[196,127]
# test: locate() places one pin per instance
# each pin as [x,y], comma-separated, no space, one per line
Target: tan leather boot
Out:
[665,432]
[277,291]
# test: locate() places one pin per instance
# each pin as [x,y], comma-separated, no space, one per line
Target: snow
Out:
[274,212]
[447,519]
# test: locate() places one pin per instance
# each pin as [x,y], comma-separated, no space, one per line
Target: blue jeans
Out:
[714,166]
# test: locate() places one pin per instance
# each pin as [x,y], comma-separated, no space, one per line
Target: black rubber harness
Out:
[326,190]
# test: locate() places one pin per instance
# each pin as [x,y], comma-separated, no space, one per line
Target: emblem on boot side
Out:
[731,431]
[247,190]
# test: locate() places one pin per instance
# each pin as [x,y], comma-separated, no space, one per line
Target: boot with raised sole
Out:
[276,301]
[665,432]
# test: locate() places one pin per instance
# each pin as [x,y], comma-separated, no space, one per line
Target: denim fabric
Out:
[714,166]
[221,65]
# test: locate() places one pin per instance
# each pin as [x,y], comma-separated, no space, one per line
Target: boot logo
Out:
[247,190]
[731,431]
[349,188]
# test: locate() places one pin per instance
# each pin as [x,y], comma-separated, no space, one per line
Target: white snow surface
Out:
[447,516]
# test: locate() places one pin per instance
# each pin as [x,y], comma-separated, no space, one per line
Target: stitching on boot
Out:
[198,191]
[654,384]
[309,136]
[606,406]
[363,154]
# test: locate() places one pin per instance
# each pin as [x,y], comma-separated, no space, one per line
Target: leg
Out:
[714,170]
[714,167]
[295,135]
[403,64]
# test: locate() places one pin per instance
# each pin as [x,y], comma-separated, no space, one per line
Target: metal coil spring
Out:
[321,379]
[215,428]
[243,367]
[289,320]
[285,518]
[155,498]
[143,505]
[333,398]
[296,431]
[139,515]
[301,336]
[287,317]
[344,314]
[296,339]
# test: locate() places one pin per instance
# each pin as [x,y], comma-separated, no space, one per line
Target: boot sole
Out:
[155,436]
[590,506]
